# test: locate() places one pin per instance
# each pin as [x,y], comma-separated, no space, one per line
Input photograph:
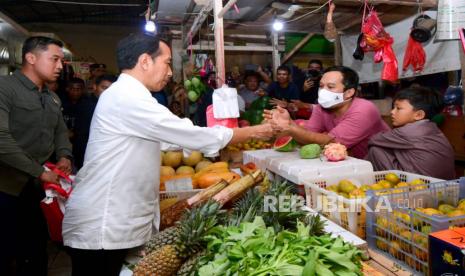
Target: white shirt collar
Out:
[126,78]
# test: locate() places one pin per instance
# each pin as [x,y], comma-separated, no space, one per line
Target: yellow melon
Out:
[192,160]
[172,159]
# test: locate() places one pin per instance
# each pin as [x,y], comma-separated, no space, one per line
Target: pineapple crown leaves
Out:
[315,223]
[195,225]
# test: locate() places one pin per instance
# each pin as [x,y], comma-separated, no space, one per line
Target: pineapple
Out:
[161,262]
[189,267]
[165,237]
[190,231]
[317,226]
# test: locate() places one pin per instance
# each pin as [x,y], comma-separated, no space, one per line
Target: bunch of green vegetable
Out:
[195,88]
[253,249]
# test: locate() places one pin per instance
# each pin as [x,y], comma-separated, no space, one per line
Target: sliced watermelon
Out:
[284,144]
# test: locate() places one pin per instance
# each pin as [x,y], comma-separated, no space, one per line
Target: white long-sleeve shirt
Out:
[115,196]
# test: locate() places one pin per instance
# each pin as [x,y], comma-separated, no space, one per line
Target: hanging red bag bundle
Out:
[376,39]
[414,55]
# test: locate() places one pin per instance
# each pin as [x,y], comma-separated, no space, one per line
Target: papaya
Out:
[208,179]
[214,167]
[248,168]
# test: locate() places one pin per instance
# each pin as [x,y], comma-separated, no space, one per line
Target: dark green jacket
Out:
[31,130]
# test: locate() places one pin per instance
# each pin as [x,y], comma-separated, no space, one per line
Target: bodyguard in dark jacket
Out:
[31,131]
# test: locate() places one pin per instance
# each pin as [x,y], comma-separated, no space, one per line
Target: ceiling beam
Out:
[423,3]
[251,48]
[198,21]
[189,11]
[297,47]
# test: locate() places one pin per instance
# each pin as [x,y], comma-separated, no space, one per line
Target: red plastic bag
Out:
[414,55]
[376,39]
[53,205]
[212,121]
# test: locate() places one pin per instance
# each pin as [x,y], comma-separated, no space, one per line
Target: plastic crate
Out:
[350,213]
[400,231]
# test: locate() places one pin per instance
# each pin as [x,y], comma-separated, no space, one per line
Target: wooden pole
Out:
[219,43]
[338,51]
[276,58]
[462,66]
[226,8]
[297,47]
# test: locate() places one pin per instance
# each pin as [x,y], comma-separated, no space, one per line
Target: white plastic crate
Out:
[349,213]
[290,166]
[260,157]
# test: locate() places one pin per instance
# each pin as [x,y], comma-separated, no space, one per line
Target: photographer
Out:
[312,82]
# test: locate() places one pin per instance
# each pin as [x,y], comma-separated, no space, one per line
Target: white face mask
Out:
[328,99]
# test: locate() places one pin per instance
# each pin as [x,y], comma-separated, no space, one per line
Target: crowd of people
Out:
[110,131]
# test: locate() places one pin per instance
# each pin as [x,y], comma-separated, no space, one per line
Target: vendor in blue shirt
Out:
[283,90]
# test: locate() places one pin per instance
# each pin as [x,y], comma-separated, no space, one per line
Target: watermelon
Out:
[261,103]
[255,117]
[284,144]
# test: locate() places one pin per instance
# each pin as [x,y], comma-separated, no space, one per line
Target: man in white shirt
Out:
[115,201]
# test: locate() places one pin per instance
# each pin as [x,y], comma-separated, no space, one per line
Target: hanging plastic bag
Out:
[53,205]
[225,104]
[414,55]
[376,39]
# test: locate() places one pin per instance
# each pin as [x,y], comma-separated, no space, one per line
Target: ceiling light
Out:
[150,27]
[278,25]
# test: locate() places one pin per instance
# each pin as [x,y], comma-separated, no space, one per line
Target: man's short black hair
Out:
[110,78]
[76,81]
[317,61]
[253,75]
[131,47]
[422,98]
[349,76]
[284,68]
[40,43]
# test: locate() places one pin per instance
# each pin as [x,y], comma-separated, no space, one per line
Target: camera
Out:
[312,75]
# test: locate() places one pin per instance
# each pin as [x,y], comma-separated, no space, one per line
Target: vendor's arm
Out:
[282,123]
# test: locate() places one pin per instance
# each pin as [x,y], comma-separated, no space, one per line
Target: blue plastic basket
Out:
[398,229]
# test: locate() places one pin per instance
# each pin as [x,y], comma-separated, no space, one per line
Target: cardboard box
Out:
[447,252]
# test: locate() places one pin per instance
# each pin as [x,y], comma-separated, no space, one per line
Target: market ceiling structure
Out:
[254,17]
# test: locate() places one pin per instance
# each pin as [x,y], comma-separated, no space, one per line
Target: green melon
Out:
[284,144]
[310,151]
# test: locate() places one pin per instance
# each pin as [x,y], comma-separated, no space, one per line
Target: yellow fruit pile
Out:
[413,241]
[347,189]
[250,145]
[175,165]
[405,241]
